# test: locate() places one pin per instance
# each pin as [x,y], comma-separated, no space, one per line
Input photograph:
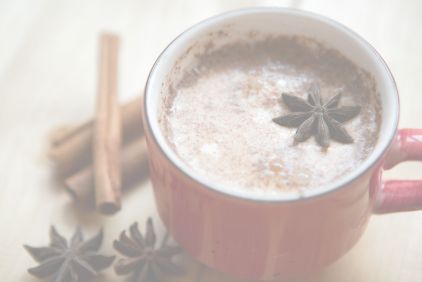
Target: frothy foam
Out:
[218,119]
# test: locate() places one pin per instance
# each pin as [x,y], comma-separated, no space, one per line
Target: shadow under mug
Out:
[262,238]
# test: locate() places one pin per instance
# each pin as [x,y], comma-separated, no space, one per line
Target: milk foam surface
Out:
[218,118]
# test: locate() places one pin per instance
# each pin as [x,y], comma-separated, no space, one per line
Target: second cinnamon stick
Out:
[71,148]
[134,166]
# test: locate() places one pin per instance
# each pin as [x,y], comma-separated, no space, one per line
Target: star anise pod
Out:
[73,261]
[145,261]
[313,117]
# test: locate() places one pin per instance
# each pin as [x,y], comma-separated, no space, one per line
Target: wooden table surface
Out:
[48,66]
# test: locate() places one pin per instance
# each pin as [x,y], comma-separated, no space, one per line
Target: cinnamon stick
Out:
[133,165]
[63,133]
[107,130]
[71,147]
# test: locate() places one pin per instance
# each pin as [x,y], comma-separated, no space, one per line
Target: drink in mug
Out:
[268,130]
[219,116]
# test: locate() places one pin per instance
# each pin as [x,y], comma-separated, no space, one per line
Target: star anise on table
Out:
[144,260]
[313,117]
[73,261]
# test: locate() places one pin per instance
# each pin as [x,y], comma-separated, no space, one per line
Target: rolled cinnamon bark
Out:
[134,166]
[107,130]
[71,147]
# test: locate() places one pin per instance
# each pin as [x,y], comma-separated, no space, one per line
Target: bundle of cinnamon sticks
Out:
[98,158]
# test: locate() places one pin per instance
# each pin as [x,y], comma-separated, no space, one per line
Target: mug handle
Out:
[401,195]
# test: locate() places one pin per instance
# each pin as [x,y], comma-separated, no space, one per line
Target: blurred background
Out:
[48,72]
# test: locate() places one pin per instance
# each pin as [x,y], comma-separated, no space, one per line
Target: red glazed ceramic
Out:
[281,236]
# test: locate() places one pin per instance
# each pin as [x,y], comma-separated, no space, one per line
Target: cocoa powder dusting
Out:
[218,115]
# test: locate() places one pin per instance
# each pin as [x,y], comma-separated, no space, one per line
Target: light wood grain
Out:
[48,53]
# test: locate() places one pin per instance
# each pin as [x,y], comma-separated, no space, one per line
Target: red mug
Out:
[281,236]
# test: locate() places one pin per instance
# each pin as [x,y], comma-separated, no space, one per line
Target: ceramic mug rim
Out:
[385,140]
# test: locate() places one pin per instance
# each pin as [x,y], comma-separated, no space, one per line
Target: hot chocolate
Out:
[218,118]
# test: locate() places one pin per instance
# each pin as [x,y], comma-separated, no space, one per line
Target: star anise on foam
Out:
[313,117]
[73,261]
[144,260]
